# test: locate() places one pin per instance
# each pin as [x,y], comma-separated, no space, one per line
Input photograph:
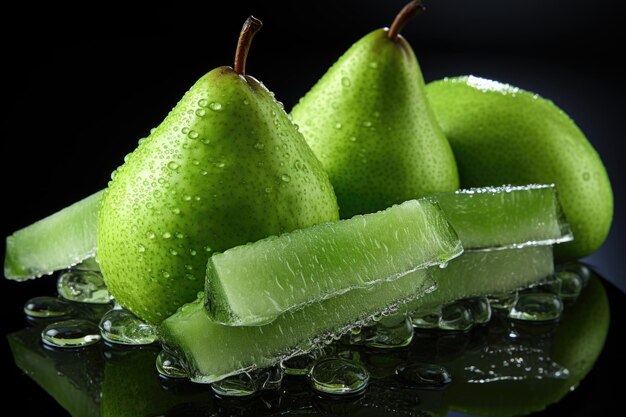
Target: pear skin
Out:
[226,167]
[368,120]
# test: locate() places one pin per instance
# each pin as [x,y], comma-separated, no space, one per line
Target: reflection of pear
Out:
[576,345]
[131,387]
[73,379]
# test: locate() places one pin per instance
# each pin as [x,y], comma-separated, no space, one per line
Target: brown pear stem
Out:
[408,12]
[249,29]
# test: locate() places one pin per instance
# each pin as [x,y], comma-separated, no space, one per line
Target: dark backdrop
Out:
[77,93]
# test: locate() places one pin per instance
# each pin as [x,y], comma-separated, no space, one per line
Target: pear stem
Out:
[408,12]
[251,26]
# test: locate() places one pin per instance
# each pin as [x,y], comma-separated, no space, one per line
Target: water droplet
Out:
[427,319]
[165,274]
[176,210]
[582,270]
[268,190]
[69,334]
[150,235]
[338,125]
[373,64]
[47,307]
[190,277]
[141,248]
[248,383]
[205,141]
[193,134]
[285,178]
[480,309]
[503,301]
[338,376]
[83,287]
[167,235]
[537,306]
[203,172]
[571,284]
[200,112]
[391,332]
[185,130]
[170,366]
[173,165]
[455,316]
[367,123]
[203,102]
[345,81]
[353,138]
[122,327]
[586,176]
[189,267]
[246,102]
[140,141]
[425,376]
[187,198]
[113,174]
[299,365]
[179,235]
[215,106]
[220,165]
[207,248]
[192,252]
[259,146]
[173,252]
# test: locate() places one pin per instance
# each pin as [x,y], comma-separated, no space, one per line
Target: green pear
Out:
[369,122]
[501,134]
[226,167]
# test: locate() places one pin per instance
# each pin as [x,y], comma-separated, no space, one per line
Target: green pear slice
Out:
[212,351]
[253,284]
[61,240]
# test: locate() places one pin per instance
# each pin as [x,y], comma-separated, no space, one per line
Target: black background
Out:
[78,92]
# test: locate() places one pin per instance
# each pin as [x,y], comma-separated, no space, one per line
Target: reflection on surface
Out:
[503,368]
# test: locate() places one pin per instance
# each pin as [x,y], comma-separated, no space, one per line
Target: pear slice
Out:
[61,240]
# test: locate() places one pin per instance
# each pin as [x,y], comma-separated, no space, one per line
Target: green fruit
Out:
[224,168]
[503,135]
[370,124]
[59,241]
[326,260]
[213,351]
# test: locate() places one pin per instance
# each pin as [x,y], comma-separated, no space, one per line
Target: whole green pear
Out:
[226,167]
[368,120]
[501,134]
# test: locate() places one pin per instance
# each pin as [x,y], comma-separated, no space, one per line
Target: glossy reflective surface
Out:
[504,368]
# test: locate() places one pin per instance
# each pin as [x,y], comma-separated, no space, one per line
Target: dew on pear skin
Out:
[285,178]
[215,106]
[367,123]
[176,210]
[173,252]
[141,248]
[173,165]
[338,125]
[373,64]
[205,141]
[179,235]
[192,252]
[586,176]
[345,81]
[185,130]
[207,248]
[193,134]
[200,112]
[268,190]
[203,102]
[165,274]
[150,235]
[259,146]
[167,235]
